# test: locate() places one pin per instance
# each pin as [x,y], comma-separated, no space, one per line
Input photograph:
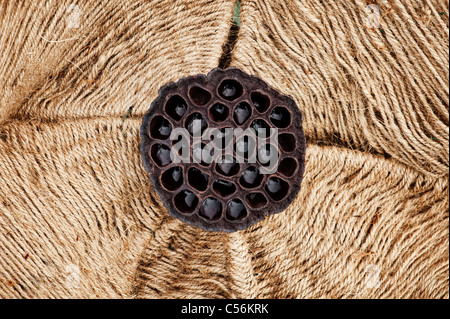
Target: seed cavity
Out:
[256,200]
[287,166]
[242,113]
[196,124]
[172,178]
[219,112]
[230,90]
[176,106]
[280,117]
[277,188]
[211,209]
[250,178]
[227,166]
[224,188]
[161,154]
[287,142]
[198,179]
[160,128]
[186,202]
[236,210]
[260,101]
[199,96]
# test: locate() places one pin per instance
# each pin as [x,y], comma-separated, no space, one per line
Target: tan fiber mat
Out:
[99,58]
[78,214]
[382,90]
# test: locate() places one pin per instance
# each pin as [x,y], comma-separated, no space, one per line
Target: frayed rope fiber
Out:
[79,217]
[375,81]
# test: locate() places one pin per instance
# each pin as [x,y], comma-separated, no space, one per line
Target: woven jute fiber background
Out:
[383,91]
[79,217]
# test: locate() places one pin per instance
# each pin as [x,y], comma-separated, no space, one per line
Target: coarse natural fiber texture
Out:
[78,214]
[58,61]
[77,194]
[382,90]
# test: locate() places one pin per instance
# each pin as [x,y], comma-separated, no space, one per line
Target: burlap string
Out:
[79,218]
[382,90]
[117,57]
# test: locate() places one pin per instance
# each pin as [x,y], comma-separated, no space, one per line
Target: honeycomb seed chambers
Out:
[220,180]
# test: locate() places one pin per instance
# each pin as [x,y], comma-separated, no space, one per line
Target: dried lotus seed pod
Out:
[227,181]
